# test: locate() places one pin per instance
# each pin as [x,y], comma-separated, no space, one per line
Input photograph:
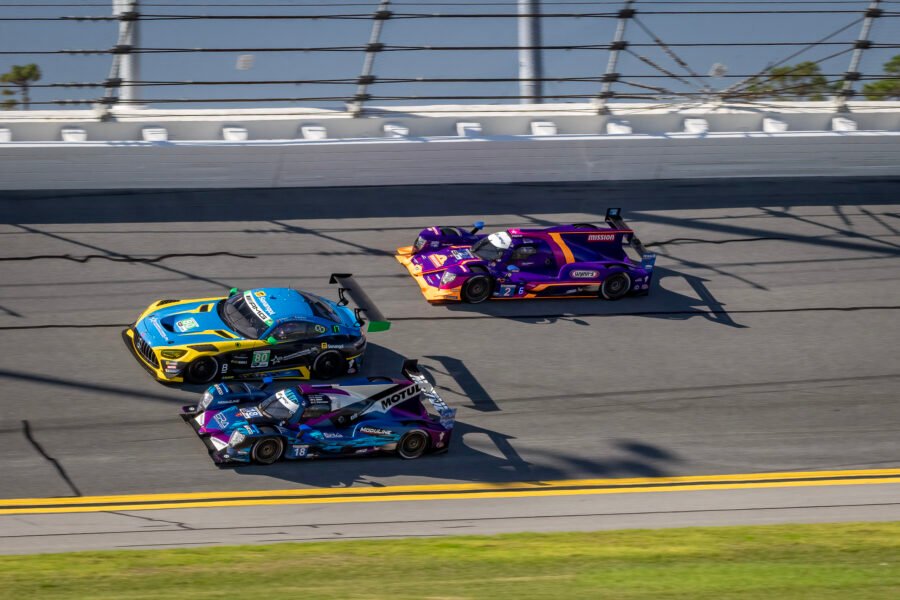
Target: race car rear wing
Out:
[349,287]
[447,414]
[614,219]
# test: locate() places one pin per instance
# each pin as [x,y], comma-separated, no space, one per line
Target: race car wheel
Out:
[329,365]
[477,289]
[413,444]
[267,451]
[616,286]
[203,370]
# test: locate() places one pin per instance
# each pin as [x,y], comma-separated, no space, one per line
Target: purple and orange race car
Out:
[566,261]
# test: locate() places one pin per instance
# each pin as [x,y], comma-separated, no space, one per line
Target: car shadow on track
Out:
[661,303]
[476,455]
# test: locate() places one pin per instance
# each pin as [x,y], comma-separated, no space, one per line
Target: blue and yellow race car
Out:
[259,332]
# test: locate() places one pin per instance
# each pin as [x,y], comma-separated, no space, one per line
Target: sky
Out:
[29,36]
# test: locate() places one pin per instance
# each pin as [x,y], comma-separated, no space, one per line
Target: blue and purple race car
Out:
[243,423]
[566,261]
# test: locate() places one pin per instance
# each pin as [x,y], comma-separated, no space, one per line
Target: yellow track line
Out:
[406,493]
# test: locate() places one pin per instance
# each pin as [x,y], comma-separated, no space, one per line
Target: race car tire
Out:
[329,365]
[267,450]
[477,289]
[413,444]
[616,286]
[203,370]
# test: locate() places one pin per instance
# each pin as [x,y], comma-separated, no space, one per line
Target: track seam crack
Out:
[26,430]
[122,258]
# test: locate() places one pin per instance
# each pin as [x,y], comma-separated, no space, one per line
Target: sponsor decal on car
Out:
[300,451]
[279,359]
[332,436]
[585,274]
[159,327]
[505,290]
[462,254]
[221,419]
[375,431]
[250,413]
[404,394]
[260,294]
[602,237]
[260,358]
[437,260]
[320,328]
[186,324]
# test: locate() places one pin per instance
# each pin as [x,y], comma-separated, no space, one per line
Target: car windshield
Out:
[492,247]
[240,317]
[281,406]
[320,307]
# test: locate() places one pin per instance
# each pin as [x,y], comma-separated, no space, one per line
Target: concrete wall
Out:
[133,165]
[356,151]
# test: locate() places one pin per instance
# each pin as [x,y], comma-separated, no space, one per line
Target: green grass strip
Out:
[777,562]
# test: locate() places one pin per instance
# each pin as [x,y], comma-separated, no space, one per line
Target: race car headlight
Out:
[205,400]
[420,241]
[173,353]
[236,438]
[448,278]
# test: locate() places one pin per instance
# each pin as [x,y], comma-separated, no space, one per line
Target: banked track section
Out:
[766,348]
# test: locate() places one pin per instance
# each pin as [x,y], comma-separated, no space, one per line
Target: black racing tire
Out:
[328,365]
[202,370]
[267,450]
[616,286]
[477,289]
[413,444]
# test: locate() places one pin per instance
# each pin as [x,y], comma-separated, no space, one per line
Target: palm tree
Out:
[886,89]
[803,81]
[22,76]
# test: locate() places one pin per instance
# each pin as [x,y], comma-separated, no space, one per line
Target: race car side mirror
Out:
[477,226]
[232,292]
[271,340]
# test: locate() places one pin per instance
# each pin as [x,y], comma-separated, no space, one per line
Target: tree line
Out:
[803,81]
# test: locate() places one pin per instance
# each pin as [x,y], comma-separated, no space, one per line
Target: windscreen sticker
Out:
[265,304]
[260,313]
[260,358]
[186,324]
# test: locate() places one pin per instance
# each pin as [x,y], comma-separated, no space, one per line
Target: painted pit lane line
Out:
[465,491]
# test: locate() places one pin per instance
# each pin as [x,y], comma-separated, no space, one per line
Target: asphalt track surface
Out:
[768,344]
